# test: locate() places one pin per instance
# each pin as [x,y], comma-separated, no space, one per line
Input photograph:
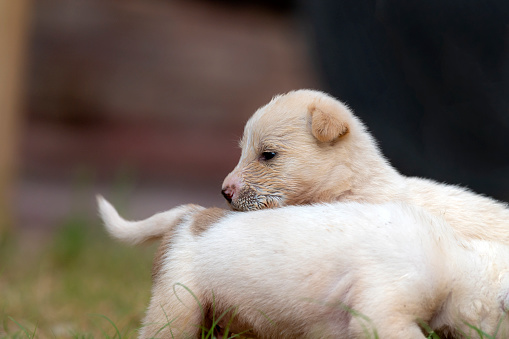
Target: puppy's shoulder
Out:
[204,219]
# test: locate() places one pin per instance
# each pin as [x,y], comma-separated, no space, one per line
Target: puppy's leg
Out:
[178,305]
[389,312]
[403,331]
[174,312]
[379,326]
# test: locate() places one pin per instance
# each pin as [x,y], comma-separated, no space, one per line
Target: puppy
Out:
[305,147]
[342,270]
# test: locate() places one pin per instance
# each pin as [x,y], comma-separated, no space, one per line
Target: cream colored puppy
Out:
[306,147]
[318,271]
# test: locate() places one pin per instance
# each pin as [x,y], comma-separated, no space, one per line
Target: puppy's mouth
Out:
[249,199]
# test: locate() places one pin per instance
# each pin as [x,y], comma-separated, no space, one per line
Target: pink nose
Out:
[228,194]
[231,185]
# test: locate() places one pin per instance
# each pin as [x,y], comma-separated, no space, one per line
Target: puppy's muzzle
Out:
[231,186]
[228,194]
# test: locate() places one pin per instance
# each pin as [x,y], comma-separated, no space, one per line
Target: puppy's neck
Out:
[375,181]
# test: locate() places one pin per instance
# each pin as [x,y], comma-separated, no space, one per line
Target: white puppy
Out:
[318,271]
[306,147]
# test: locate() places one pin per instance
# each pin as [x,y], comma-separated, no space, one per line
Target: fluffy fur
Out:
[307,147]
[318,271]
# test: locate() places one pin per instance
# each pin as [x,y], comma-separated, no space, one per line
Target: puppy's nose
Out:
[228,194]
[232,185]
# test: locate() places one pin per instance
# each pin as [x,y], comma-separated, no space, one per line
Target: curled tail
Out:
[137,232]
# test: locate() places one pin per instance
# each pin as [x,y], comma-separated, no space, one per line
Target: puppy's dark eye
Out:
[268,155]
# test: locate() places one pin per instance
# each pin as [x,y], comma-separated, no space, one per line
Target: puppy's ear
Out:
[327,123]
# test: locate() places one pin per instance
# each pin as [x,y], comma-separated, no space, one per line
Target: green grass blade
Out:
[168,323]
[268,318]
[192,294]
[429,331]
[23,328]
[216,322]
[499,324]
[480,332]
[111,322]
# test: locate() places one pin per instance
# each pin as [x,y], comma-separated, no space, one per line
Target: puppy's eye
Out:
[267,155]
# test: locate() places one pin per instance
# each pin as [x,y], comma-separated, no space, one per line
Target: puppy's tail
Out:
[137,232]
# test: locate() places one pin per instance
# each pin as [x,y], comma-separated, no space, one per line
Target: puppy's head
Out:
[296,149]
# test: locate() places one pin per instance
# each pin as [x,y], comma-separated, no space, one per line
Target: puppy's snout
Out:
[231,186]
[228,194]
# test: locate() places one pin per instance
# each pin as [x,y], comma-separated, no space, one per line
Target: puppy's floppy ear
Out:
[327,123]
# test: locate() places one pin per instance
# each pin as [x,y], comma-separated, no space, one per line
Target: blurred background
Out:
[144,101]
[151,93]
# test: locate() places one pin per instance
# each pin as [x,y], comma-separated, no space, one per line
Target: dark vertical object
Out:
[429,78]
[14,22]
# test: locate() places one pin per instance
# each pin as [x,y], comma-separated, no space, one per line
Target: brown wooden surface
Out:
[13,28]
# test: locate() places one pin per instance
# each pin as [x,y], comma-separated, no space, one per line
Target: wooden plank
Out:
[14,17]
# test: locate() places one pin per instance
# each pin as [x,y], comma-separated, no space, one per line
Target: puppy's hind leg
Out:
[385,327]
[394,329]
[408,330]
[173,313]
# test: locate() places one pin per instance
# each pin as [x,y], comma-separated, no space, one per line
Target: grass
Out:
[80,284]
